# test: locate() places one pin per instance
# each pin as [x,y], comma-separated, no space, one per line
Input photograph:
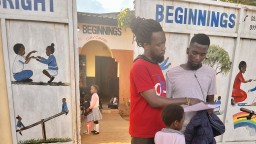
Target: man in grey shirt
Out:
[192,79]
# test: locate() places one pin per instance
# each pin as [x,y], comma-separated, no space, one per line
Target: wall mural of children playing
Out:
[19,74]
[238,94]
[52,70]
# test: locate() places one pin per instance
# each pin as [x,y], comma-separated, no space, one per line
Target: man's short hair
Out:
[202,39]
[171,113]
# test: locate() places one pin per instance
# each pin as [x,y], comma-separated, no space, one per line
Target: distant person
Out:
[95,115]
[52,70]
[238,94]
[113,103]
[173,118]
[147,83]
[19,74]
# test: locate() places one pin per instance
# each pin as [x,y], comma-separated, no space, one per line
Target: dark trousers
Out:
[136,140]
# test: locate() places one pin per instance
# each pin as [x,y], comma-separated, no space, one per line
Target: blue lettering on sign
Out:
[199,17]
[36,5]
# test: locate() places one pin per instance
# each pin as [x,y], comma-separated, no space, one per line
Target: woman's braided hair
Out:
[143,29]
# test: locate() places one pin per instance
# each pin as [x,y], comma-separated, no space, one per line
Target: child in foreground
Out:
[173,118]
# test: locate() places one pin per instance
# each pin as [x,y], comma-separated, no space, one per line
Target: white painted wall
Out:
[238,41]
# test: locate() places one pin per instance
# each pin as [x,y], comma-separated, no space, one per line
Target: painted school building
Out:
[106,55]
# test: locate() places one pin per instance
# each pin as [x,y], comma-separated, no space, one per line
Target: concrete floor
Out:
[113,130]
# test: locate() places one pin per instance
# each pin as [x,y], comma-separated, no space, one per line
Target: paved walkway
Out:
[113,130]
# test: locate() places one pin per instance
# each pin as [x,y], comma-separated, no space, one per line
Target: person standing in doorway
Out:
[147,83]
[193,79]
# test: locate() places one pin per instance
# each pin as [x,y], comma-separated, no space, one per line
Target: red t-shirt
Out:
[145,121]
[238,80]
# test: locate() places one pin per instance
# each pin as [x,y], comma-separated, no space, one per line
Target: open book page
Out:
[200,106]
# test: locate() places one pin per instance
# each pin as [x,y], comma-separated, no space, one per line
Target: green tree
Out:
[124,18]
[218,59]
[245,2]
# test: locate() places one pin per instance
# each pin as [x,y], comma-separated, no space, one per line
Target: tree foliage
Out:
[218,59]
[124,18]
[245,2]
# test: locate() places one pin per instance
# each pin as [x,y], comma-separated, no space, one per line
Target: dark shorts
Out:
[136,140]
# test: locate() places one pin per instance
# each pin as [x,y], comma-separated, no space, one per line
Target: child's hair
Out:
[96,87]
[171,113]
[64,99]
[51,47]
[18,117]
[241,65]
[17,47]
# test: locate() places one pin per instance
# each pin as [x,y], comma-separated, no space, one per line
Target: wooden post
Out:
[43,129]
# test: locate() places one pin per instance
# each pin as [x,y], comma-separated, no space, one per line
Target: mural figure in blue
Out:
[64,107]
[217,110]
[19,123]
[52,70]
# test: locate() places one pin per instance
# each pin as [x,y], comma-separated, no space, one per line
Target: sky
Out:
[103,6]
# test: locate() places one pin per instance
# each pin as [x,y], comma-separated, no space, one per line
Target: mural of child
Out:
[217,110]
[238,94]
[64,107]
[19,123]
[19,74]
[52,70]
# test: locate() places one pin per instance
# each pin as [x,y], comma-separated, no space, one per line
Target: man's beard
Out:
[194,66]
[157,59]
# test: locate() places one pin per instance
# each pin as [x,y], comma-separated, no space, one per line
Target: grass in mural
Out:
[50,140]
[41,83]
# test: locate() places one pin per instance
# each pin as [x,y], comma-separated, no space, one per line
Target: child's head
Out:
[173,116]
[242,66]
[19,49]
[94,89]
[18,117]
[50,49]
[63,100]
[219,97]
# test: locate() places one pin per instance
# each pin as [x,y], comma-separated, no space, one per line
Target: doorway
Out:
[98,67]
[106,77]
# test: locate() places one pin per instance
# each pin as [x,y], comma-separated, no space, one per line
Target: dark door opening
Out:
[106,77]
